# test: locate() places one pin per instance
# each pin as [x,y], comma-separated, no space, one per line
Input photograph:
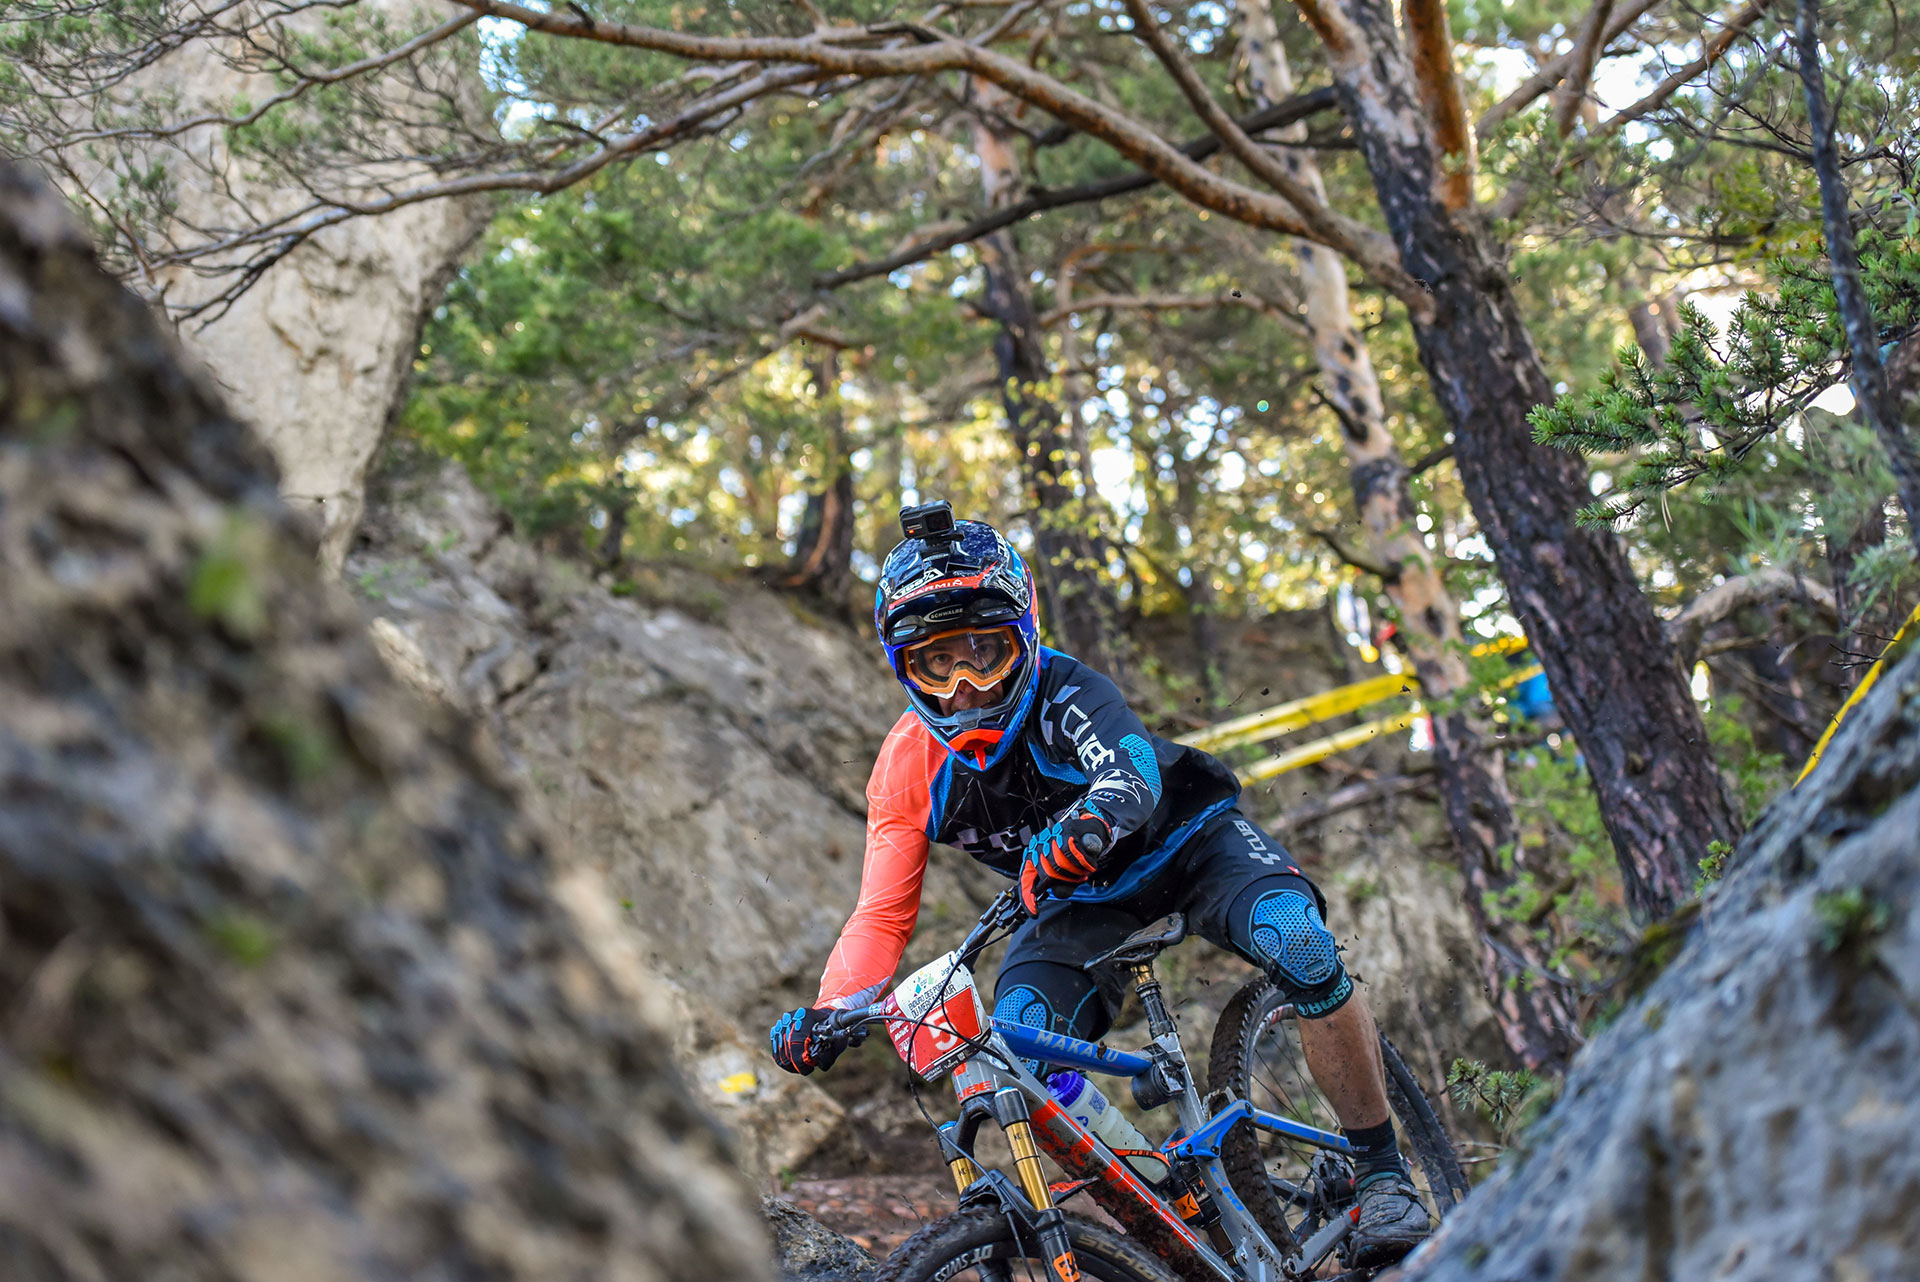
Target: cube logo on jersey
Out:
[1078,727]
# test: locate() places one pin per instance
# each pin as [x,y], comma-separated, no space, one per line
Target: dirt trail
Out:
[877,1211]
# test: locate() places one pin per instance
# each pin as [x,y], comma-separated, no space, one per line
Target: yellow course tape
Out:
[1873,674]
[1257,727]
[1320,749]
[1298,713]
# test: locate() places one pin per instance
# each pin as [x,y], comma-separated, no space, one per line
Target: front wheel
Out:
[979,1244]
[1290,1186]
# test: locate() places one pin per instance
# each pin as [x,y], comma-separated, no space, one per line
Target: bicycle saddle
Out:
[1143,945]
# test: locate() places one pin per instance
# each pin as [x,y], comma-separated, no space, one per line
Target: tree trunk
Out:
[1859,636]
[1653,321]
[1878,403]
[1077,599]
[1536,1019]
[1611,669]
[822,562]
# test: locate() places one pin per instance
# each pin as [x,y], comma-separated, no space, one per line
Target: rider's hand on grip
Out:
[1064,855]
[803,1040]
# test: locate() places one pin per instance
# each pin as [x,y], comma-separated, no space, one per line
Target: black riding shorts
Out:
[1235,884]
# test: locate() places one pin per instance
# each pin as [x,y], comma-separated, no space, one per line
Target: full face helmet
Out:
[955,607]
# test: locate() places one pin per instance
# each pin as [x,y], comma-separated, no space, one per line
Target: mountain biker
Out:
[1033,763]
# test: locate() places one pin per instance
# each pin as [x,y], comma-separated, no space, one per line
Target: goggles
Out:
[978,656]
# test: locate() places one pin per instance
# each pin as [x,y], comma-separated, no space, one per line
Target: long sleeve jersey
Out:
[1081,742]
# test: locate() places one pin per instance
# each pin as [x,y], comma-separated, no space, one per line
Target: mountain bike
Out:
[1240,1192]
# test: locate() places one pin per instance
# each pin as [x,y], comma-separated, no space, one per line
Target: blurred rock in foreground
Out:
[283,990]
[1753,1115]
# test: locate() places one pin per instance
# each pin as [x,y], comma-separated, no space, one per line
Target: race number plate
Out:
[937,1011]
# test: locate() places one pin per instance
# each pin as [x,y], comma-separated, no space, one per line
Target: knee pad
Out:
[1024,1005]
[1299,952]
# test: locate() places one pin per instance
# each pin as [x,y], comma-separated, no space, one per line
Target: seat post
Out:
[1147,984]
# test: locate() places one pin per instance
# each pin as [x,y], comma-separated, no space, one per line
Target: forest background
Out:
[1466,320]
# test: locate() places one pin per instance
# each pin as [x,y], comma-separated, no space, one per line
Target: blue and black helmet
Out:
[950,580]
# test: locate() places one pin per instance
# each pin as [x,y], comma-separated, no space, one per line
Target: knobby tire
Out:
[1231,1067]
[947,1247]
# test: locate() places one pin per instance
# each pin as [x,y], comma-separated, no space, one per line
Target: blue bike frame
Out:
[1254,1256]
[1070,1052]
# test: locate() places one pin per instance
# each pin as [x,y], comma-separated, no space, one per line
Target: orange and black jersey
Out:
[1081,741]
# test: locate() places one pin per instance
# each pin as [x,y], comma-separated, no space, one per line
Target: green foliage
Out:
[1509,1100]
[1756,773]
[226,581]
[1850,919]
[1713,866]
[243,937]
[1717,397]
[1564,880]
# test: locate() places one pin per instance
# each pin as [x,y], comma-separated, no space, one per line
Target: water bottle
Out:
[1087,1106]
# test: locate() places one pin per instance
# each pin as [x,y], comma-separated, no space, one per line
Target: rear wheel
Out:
[979,1245]
[1292,1187]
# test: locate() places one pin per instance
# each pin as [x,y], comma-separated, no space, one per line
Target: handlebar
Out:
[848,1026]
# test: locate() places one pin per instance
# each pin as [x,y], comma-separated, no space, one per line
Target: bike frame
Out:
[1243,1252]
[994,1083]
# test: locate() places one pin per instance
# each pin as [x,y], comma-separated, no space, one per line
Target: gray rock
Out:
[315,353]
[805,1250]
[699,754]
[285,989]
[1753,1115]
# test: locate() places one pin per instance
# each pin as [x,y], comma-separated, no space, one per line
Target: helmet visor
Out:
[978,656]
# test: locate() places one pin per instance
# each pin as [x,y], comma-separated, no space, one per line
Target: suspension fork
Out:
[982,1098]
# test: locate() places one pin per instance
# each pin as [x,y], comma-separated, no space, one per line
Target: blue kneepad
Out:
[1023,1005]
[1300,953]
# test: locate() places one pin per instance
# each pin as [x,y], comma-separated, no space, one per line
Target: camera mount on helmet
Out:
[931,523]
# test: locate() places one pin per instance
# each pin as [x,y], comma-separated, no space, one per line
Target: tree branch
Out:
[1274,117]
[304,82]
[1551,72]
[1431,47]
[1358,560]
[1163,303]
[1580,63]
[1327,227]
[1762,587]
[1352,796]
[1876,401]
[1373,253]
[1712,50]
[280,236]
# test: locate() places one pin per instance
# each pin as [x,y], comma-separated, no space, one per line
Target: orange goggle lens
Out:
[977,656]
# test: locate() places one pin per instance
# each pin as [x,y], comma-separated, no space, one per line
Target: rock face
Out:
[700,757]
[286,993]
[1753,1114]
[314,354]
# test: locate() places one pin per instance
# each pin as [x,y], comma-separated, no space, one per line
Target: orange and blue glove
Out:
[797,1043]
[1064,855]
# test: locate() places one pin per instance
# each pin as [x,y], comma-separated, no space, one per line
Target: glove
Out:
[1065,854]
[799,1040]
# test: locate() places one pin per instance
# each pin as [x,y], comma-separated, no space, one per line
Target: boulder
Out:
[286,991]
[1752,1115]
[315,352]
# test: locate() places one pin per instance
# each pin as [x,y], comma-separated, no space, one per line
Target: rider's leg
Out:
[1246,894]
[1041,984]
